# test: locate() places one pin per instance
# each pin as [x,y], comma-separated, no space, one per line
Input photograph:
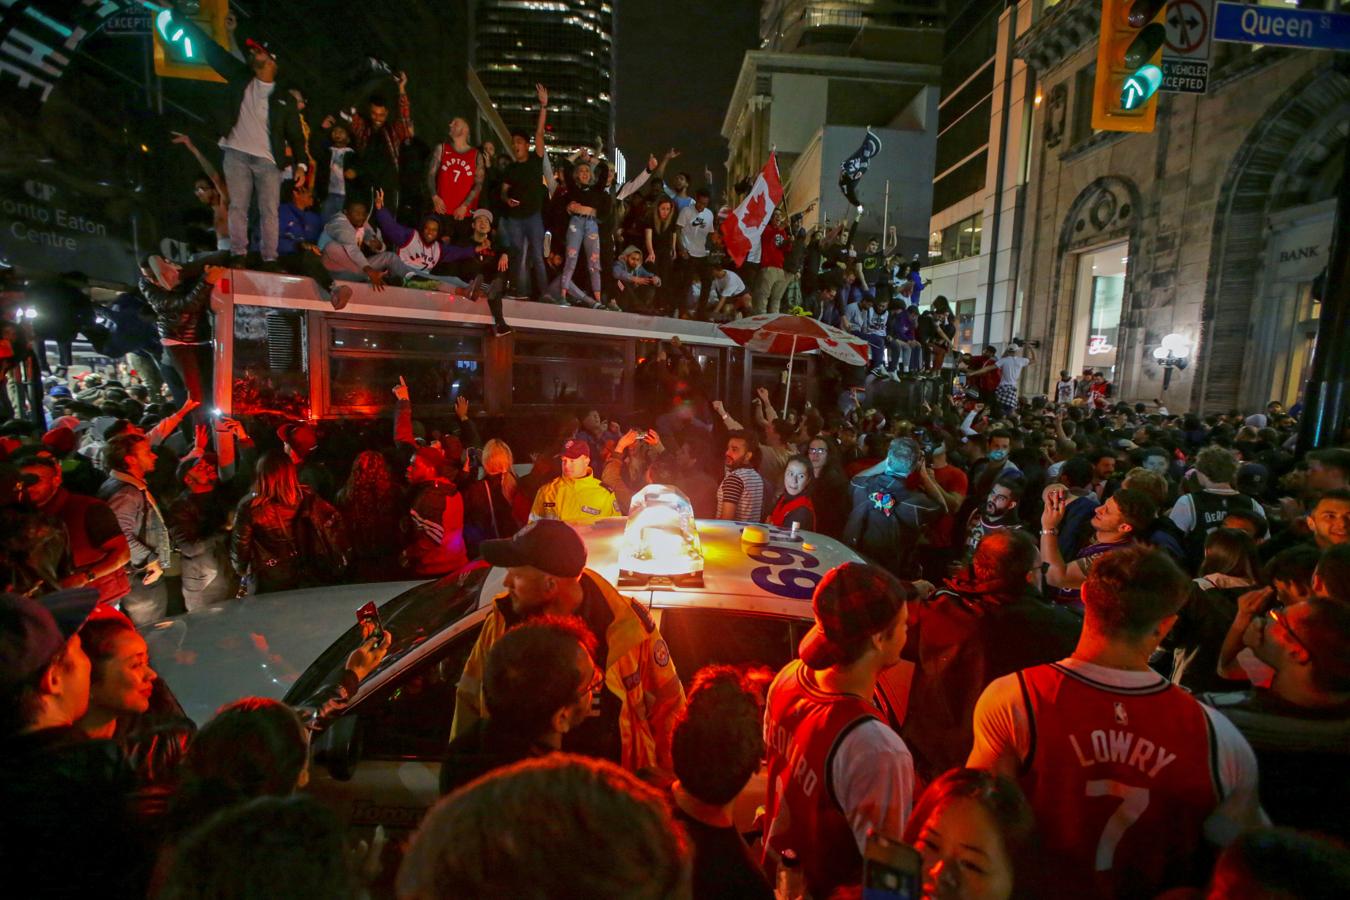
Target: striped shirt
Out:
[745,488]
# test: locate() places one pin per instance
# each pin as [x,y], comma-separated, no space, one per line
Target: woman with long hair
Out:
[830,496]
[794,505]
[488,512]
[1229,570]
[977,835]
[369,503]
[661,235]
[264,545]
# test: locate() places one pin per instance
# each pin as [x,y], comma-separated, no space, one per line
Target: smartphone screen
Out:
[370,613]
[891,870]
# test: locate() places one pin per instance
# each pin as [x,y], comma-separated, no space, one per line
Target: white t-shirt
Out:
[1003,732]
[873,775]
[250,133]
[695,226]
[1010,369]
[729,285]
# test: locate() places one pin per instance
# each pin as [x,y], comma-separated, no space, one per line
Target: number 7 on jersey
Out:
[1134,800]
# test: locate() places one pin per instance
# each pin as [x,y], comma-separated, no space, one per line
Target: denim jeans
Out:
[245,176]
[583,231]
[568,292]
[332,205]
[525,240]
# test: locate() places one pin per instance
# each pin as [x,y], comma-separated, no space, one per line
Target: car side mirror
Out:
[338,748]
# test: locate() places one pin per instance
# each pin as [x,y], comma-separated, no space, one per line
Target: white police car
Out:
[716,597]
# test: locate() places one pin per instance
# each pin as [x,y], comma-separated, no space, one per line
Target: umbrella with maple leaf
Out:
[786,334]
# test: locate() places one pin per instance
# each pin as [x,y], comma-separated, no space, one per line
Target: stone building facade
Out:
[1214,227]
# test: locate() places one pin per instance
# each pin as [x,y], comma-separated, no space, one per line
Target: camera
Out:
[1022,342]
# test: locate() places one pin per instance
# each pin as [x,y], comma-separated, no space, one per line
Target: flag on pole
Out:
[854,168]
[741,229]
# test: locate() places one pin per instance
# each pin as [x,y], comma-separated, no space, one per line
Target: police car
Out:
[720,592]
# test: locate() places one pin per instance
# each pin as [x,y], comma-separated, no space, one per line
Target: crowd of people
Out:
[1085,595]
[1093,649]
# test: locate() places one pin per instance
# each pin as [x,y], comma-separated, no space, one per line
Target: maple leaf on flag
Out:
[754,211]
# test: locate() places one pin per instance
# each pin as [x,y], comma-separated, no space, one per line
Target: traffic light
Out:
[1128,75]
[178,52]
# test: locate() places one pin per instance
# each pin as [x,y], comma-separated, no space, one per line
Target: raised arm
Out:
[207,167]
[542,93]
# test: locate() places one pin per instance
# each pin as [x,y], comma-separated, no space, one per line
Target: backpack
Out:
[883,528]
[322,538]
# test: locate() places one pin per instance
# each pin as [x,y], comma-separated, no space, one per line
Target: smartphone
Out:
[370,613]
[891,870]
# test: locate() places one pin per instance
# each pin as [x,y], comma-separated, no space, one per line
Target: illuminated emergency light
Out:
[661,538]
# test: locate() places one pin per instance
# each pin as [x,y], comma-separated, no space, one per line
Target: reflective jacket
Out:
[576,501]
[638,670]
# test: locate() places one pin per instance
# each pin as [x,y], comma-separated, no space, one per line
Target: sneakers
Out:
[502,330]
[612,306]
[340,297]
[878,372]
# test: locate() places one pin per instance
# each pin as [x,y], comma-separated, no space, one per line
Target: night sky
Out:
[677,65]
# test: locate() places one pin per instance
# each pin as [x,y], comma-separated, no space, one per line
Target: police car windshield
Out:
[412,617]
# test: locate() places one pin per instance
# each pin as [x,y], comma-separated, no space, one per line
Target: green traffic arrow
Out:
[1140,86]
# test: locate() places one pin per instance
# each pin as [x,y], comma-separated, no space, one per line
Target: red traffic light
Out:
[1144,11]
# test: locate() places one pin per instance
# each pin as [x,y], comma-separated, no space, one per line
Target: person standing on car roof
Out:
[633,710]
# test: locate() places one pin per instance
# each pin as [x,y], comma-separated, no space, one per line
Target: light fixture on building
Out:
[1039,97]
[1174,353]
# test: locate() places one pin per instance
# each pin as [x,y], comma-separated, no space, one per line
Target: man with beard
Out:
[633,712]
[999,513]
[455,176]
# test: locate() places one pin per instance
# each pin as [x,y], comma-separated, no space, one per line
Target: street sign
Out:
[1185,58]
[132,22]
[1283,27]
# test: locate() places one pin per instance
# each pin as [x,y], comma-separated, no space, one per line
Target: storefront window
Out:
[965,325]
[1098,301]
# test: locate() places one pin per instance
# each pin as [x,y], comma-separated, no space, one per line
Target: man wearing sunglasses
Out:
[1300,725]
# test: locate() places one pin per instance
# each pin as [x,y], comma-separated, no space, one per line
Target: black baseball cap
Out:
[548,545]
[33,630]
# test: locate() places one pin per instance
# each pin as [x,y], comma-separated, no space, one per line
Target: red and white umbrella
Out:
[786,334]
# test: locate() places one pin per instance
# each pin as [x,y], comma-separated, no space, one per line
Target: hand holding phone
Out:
[368,618]
[891,870]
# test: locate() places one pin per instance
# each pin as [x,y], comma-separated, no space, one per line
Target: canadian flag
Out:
[741,229]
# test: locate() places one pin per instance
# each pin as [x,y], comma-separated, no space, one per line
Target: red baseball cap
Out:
[852,601]
[575,449]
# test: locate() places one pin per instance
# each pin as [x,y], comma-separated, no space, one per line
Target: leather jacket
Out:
[182,314]
[264,543]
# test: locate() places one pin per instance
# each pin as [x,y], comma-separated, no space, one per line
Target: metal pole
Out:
[1328,390]
[886,213]
[787,390]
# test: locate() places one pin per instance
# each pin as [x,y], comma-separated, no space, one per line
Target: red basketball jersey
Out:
[803,727]
[1121,779]
[454,176]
